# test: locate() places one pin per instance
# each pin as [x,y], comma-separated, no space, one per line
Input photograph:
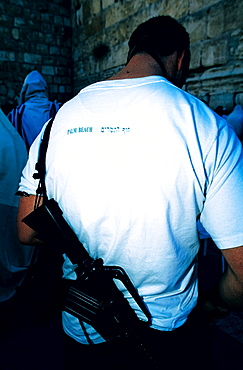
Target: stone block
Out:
[26,38]
[5,36]
[238,50]
[54,50]
[60,71]
[53,8]
[66,80]
[120,12]
[64,51]
[31,15]
[233,11]
[4,20]
[57,80]
[216,21]
[7,55]
[47,17]
[63,61]
[14,11]
[50,60]
[32,58]
[69,89]
[67,22]
[121,32]
[15,33]
[150,3]
[49,79]
[19,22]
[18,2]
[95,25]
[48,70]
[214,52]
[39,37]
[196,26]
[49,38]
[42,49]
[119,56]
[195,55]
[155,8]
[176,9]
[197,5]
[106,3]
[62,89]
[53,89]
[58,20]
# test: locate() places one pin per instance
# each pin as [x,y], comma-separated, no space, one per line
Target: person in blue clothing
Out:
[14,257]
[34,108]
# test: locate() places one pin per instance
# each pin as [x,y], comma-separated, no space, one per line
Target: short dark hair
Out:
[162,34]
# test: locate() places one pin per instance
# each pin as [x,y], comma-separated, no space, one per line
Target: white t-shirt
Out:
[132,164]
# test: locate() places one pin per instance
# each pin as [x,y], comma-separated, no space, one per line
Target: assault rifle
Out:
[94,297]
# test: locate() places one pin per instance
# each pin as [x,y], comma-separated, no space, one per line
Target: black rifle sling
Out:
[41,163]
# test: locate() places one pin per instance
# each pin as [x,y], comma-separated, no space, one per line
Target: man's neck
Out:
[141,65]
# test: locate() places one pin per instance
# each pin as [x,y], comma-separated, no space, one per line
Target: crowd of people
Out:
[139,196]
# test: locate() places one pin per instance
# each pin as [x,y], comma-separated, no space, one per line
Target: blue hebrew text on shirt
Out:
[115,130]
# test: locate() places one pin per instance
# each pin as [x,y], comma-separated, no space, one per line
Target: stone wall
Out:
[89,44]
[35,35]
[102,28]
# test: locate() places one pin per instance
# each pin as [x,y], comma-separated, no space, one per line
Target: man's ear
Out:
[180,60]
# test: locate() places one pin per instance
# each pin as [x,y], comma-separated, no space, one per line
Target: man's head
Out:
[161,37]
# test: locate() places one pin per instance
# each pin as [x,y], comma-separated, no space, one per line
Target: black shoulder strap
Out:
[41,163]
[53,109]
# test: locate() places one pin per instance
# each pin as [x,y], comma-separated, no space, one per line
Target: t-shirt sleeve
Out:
[222,215]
